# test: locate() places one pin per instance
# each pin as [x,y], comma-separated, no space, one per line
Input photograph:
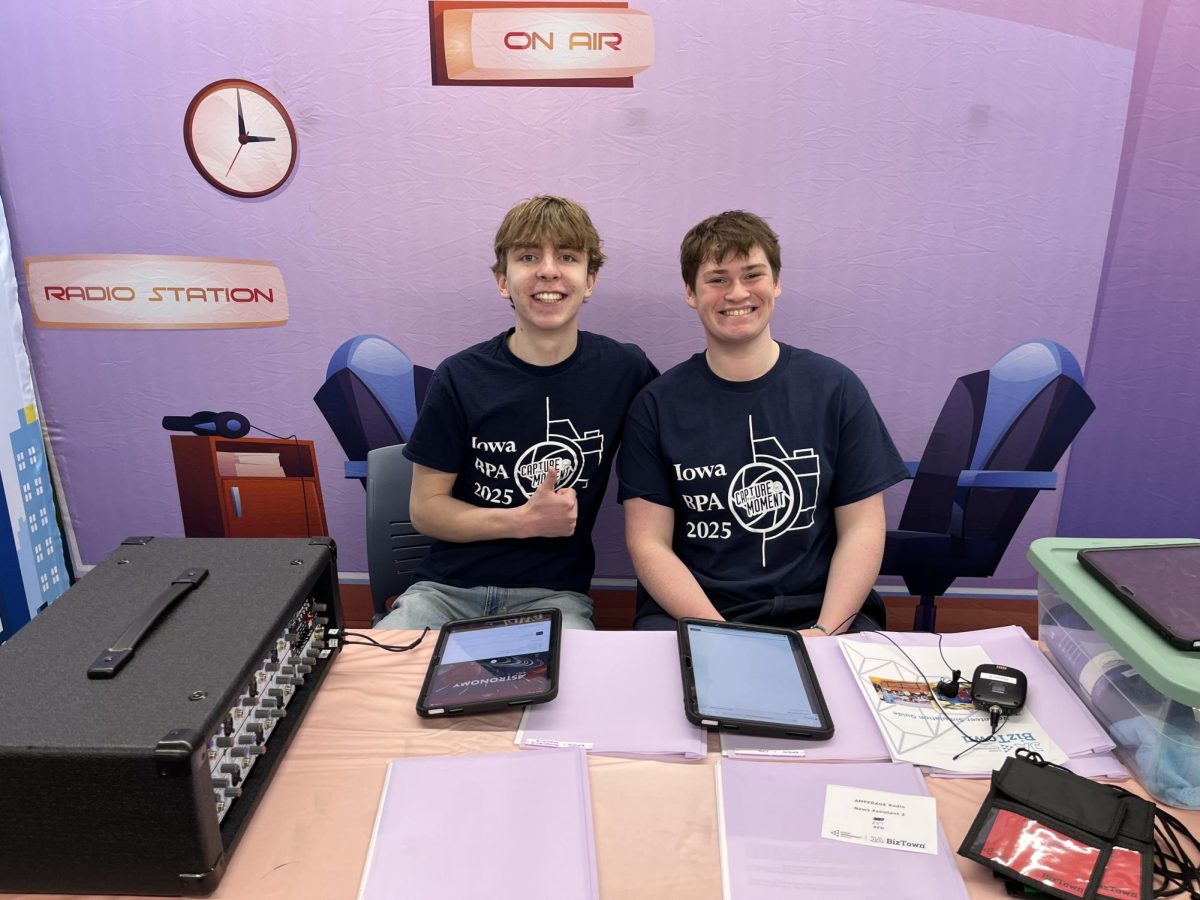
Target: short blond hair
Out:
[558,220]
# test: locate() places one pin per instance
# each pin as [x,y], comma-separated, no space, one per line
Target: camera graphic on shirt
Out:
[777,492]
[567,453]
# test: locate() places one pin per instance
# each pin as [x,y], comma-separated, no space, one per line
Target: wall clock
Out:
[240,138]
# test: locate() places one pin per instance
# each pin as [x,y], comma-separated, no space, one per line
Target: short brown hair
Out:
[561,221]
[732,233]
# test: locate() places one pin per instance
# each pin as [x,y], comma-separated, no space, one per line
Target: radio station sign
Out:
[136,291]
[602,44]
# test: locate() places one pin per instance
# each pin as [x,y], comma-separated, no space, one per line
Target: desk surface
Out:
[655,822]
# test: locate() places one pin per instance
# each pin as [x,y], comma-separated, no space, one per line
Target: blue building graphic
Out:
[37,569]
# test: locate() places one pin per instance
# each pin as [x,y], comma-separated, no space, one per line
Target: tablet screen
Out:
[492,661]
[1162,580]
[750,675]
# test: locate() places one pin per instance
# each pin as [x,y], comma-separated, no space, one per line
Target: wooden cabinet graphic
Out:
[248,487]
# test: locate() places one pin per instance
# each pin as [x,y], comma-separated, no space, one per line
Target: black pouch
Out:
[1051,830]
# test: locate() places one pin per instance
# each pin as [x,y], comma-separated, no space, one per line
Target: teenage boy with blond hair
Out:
[752,473]
[515,440]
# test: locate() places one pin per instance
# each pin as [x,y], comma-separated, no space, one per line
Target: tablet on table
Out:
[752,679]
[494,662]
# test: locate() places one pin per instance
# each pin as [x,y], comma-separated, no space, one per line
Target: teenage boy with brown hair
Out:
[515,440]
[752,473]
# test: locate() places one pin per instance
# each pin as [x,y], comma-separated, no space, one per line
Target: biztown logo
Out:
[546,44]
[564,449]
[777,492]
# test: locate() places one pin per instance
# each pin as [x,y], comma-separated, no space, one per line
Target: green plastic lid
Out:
[1170,671]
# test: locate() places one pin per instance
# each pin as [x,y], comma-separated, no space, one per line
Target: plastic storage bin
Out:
[1141,689]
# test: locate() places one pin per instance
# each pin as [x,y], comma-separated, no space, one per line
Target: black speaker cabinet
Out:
[143,713]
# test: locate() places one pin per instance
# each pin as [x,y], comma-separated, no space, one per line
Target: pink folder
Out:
[856,737]
[771,845]
[1096,766]
[502,825]
[620,693]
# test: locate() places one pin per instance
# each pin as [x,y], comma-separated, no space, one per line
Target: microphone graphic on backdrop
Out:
[207,423]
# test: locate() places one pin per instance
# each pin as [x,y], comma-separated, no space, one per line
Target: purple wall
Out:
[941,174]
[1133,468]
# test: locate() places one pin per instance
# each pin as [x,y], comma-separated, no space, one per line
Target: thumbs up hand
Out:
[551,512]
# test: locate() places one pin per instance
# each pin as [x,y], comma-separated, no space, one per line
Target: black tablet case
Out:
[1158,582]
[424,707]
[745,726]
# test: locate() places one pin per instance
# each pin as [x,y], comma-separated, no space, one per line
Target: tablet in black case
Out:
[1159,582]
[490,663]
[751,679]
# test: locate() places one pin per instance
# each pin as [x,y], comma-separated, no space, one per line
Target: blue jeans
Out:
[427,603]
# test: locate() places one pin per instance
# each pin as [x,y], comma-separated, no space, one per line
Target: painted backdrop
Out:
[942,175]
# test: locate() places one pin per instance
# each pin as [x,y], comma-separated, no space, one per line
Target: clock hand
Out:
[254,138]
[235,156]
[241,119]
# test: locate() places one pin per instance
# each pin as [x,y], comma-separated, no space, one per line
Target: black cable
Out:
[278,437]
[997,722]
[368,641]
[975,741]
[949,667]
[997,727]
[955,674]
[1171,863]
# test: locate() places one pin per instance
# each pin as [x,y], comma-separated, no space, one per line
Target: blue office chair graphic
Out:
[993,448]
[370,398]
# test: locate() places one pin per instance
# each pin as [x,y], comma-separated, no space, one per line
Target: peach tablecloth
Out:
[655,822]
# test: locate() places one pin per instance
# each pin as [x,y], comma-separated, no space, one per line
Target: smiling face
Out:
[546,285]
[735,297]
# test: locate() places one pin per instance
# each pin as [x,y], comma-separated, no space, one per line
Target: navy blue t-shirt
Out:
[754,469]
[500,423]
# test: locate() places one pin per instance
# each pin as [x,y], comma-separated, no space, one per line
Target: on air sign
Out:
[563,44]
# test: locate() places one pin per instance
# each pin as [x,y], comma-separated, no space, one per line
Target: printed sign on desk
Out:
[885,819]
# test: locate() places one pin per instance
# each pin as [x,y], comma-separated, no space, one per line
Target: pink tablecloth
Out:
[655,822]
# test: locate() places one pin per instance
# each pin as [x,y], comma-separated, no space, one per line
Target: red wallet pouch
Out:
[1038,852]
[1051,830]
